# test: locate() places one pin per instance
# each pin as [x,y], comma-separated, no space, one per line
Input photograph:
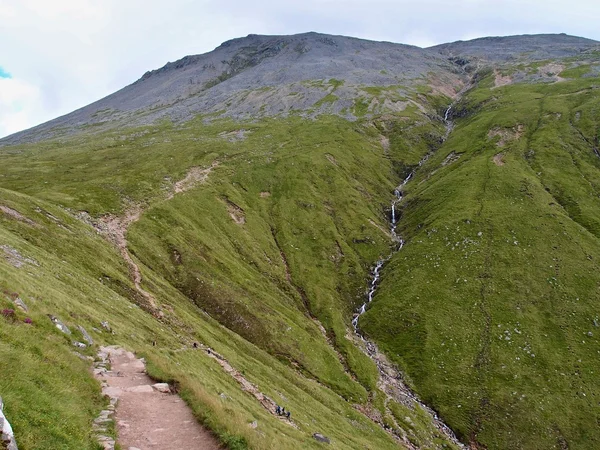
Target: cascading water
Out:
[392,384]
[399,244]
[398,195]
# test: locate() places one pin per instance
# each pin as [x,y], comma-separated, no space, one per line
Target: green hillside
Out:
[492,306]
[256,239]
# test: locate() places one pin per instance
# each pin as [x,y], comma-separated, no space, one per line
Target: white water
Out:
[399,241]
[371,348]
[398,195]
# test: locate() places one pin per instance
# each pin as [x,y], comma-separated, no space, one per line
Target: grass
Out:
[255,292]
[490,307]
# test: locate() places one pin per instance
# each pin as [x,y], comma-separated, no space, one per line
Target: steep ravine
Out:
[391,380]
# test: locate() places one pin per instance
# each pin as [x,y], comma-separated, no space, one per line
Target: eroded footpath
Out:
[147,415]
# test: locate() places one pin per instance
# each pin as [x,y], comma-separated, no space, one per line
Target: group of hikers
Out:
[280,410]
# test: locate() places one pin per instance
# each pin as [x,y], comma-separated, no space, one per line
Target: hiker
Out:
[283,410]
[195,345]
[288,415]
[278,410]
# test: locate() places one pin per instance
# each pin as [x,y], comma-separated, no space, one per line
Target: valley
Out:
[242,232]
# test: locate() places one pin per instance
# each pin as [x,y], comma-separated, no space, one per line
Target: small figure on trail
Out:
[153,343]
[278,410]
[288,415]
[195,345]
[283,410]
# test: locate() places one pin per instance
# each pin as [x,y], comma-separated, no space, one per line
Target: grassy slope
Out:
[492,306]
[327,180]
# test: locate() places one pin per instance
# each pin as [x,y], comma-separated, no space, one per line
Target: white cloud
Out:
[19,102]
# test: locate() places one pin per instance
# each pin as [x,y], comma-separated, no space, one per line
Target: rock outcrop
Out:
[7,438]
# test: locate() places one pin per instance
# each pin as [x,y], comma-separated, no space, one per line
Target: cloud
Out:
[4,73]
[20,105]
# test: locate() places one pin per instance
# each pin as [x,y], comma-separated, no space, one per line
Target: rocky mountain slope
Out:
[222,216]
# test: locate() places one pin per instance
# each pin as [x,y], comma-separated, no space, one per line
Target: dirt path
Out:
[114,228]
[268,403]
[147,414]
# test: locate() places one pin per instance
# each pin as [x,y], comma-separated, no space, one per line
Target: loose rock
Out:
[319,437]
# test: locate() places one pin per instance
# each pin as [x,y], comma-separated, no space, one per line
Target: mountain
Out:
[249,202]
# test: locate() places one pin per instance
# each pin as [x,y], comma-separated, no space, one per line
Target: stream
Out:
[391,379]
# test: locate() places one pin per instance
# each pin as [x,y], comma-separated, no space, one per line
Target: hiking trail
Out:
[147,415]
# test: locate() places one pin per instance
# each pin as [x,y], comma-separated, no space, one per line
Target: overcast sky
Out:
[59,55]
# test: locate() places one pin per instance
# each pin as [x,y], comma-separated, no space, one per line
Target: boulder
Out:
[162,387]
[21,304]
[86,337]
[7,437]
[319,437]
[61,326]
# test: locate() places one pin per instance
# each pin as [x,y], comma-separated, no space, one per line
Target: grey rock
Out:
[162,387]
[319,437]
[106,326]
[293,73]
[21,304]
[87,338]
[79,344]
[61,326]
[7,436]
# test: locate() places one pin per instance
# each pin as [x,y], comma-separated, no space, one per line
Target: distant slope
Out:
[260,76]
[524,48]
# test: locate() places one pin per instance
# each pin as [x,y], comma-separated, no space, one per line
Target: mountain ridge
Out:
[212,82]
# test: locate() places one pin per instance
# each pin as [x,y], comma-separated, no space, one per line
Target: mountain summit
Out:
[260,76]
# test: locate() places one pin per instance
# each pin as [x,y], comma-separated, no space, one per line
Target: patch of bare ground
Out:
[501,80]
[385,143]
[265,194]
[552,70]
[147,414]
[450,86]
[14,214]
[331,159]
[195,176]
[506,134]
[498,159]
[236,213]
[234,136]
[452,157]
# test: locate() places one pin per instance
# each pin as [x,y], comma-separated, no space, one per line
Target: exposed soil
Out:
[501,80]
[498,159]
[506,134]
[145,417]
[195,175]
[115,229]
[16,215]
[236,213]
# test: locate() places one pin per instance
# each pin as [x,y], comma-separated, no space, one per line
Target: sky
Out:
[57,56]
